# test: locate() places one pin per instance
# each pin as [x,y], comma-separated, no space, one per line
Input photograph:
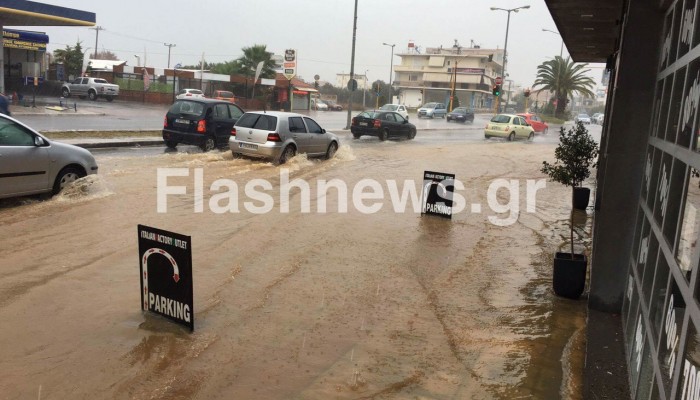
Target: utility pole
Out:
[170,46]
[352,65]
[97,35]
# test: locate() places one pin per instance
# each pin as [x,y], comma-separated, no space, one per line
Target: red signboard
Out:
[499,80]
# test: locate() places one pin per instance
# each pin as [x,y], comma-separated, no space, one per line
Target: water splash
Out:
[85,189]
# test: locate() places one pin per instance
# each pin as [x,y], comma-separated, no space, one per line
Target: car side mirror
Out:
[405,121]
[39,141]
[323,130]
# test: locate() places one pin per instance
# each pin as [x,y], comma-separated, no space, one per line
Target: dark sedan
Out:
[382,124]
[460,114]
[201,122]
[333,106]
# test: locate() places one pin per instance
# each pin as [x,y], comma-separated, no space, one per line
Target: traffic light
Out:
[496,90]
[316,84]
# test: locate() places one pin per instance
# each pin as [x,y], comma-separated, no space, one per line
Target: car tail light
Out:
[233,131]
[354,121]
[273,137]
[165,121]
[377,123]
[202,126]
[188,94]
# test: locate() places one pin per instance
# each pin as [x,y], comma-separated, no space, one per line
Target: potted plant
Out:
[575,155]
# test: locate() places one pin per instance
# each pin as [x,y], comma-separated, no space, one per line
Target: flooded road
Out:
[295,305]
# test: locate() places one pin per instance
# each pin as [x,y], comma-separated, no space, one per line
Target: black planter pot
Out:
[581,197]
[569,277]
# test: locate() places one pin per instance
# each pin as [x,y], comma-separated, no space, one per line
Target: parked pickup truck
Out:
[90,87]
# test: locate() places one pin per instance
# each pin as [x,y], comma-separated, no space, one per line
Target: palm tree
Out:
[564,78]
[252,56]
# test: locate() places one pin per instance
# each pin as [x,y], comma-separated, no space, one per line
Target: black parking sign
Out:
[166,274]
[437,193]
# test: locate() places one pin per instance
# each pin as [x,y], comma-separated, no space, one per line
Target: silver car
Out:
[32,164]
[279,136]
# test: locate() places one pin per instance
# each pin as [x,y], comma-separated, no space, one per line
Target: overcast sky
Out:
[320,30]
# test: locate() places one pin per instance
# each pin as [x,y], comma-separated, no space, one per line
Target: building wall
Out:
[661,291]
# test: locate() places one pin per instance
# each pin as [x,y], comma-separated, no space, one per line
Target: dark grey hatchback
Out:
[201,122]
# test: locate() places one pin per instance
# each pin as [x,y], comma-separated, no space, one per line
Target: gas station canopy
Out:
[30,13]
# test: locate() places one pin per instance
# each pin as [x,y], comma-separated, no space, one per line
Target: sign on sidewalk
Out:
[437,194]
[166,274]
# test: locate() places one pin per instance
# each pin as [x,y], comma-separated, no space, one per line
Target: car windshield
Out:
[196,91]
[430,105]
[501,119]
[258,121]
[459,110]
[389,107]
[187,107]
[226,95]
[583,116]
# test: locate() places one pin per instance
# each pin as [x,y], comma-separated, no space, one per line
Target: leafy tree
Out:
[252,56]
[106,55]
[227,68]
[564,78]
[575,155]
[72,59]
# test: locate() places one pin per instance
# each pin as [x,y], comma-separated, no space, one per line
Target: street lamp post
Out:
[391,68]
[561,49]
[505,47]
[138,60]
[170,46]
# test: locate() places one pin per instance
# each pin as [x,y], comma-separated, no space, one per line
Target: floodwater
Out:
[334,305]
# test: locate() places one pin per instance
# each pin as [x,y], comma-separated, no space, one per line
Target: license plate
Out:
[249,146]
[182,121]
[363,124]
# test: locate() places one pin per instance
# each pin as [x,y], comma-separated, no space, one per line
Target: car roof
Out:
[278,113]
[525,114]
[205,100]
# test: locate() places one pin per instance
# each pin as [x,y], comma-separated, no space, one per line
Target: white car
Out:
[319,105]
[189,93]
[598,119]
[33,164]
[583,118]
[397,108]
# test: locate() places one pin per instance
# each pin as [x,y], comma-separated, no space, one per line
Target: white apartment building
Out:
[427,75]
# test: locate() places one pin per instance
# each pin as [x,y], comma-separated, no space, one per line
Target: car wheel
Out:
[356,135]
[383,134]
[411,134]
[171,144]
[531,137]
[92,95]
[487,137]
[332,148]
[67,176]
[448,119]
[235,155]
[66,92]
[288,153]
[209,144]
[511,137]
[545,131]
[110,98]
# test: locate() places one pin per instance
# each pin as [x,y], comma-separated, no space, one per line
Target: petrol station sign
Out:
[290,64]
